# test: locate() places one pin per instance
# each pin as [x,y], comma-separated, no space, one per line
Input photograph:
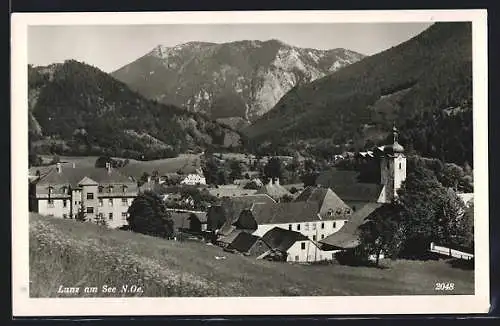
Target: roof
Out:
[230,191]
[348,236]
[286,213]
[243,242]
[274,190]
[181,220]
[86,181]
[278,238]
[325,197]
[346,185]
[231,236]
[73,176]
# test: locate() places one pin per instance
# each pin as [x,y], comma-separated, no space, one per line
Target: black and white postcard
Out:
[250,163]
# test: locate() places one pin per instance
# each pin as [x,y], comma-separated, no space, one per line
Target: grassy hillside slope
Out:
[65,252]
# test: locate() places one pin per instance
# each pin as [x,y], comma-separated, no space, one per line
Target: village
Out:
[253,213]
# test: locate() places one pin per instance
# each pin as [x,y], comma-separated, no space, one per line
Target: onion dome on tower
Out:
[395,147]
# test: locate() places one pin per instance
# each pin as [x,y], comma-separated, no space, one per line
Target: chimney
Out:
[270,181]
[58,168]
[277,182]
[108,167]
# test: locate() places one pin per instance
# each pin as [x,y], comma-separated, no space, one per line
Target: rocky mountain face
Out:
[242,79]
[78,109]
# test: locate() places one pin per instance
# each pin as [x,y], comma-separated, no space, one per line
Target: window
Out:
[400,165]
[65,203]
[100,202]
[90,195]
[338,211]
[124,202]
[65,215]
[290,227]
[90,210]
[330,212]
[314,238]
[298,226]
[124,188]
[64,189]
[347,211]
[296,258]
[323,225]
[76,203]
[124,216]
[334,225]
[313,226]
[99,189]
[303,245]
[322,236]
[110,216]
[50,202]
[110,202]
[50,190]
[110,189]
[100,215]
[306,227]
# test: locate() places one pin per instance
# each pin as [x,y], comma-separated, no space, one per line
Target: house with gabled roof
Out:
[292,246]
[103,194]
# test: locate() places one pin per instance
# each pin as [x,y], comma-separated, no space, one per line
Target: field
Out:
[184,162]
[73,254]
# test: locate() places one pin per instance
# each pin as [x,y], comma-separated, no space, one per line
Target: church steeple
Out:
[392,168]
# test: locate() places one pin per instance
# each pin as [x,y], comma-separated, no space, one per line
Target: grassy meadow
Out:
[73,254]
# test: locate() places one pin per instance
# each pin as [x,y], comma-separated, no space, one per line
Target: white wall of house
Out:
[315,231]
[114,210]
[55,207]
[194,179]
[306,251]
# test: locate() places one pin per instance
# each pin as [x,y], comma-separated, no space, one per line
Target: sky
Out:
[110,47]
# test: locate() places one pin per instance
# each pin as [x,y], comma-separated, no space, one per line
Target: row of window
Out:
[100,215]
[101,203]
[64,189]
[313,226]
[110,188]
[110,202]
[339,211]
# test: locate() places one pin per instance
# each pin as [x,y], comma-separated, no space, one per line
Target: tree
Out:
[102,161]
[378,234]
[273,169]
[235,168]
[148,215]
[81,214]
[34,160]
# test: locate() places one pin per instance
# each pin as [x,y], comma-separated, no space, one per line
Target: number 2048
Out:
[444,286]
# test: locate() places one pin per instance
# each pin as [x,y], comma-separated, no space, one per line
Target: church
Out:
[365,197]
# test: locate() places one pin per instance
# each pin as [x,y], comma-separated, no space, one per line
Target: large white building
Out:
[100,193]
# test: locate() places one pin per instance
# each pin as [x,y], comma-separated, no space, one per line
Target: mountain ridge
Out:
[242,78]
[357,106]
[86,111]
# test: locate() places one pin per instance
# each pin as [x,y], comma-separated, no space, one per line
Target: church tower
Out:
[392,169]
